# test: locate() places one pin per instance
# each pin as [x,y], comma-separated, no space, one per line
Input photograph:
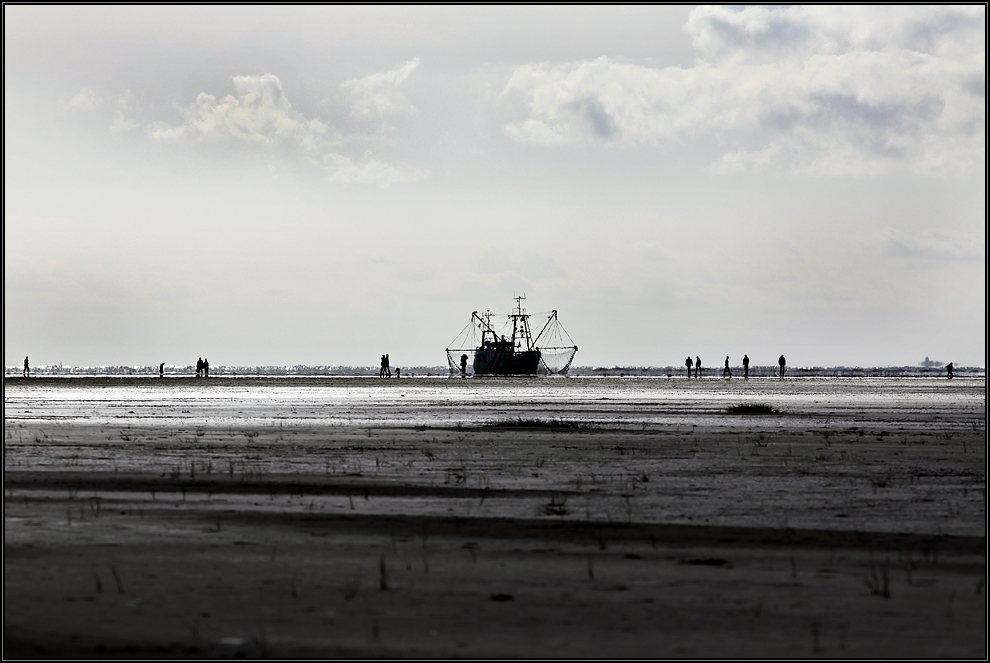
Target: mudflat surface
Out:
[500,517]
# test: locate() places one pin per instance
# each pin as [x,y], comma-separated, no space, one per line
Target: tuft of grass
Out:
[116,578]
[879,584]
[557,506]
[752,408]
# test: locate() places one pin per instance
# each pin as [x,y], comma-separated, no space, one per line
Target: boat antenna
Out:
[520,323]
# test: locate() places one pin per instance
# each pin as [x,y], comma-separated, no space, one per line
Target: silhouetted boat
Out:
[514,352]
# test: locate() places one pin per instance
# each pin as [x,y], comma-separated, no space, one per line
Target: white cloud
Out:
[123,123]
[85,99]
[825,90]
[260,116]
[378,95]
[371,171]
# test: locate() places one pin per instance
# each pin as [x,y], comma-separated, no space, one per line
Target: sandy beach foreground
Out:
[469,518]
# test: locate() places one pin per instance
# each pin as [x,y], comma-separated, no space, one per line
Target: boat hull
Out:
[498,361]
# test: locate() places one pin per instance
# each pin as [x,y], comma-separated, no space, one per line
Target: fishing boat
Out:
[511,349]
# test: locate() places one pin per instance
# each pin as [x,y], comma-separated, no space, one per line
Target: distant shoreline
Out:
[302,371]
[323,371]
[79,380]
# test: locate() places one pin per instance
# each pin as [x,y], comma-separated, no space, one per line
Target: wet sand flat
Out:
[529,517]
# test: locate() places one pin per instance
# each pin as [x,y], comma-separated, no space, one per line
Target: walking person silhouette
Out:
[725,371]
[746,366]
[464,359]
[948,367]
[388,371]
[783,365]
[27,368]
[381,371]
[697,367]
[689,364]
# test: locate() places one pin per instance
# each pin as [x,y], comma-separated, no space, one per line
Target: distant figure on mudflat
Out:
[199,367]
[746,366]
[206,368]
[783,366]
[161,370]
[398,372]
[388,371]
[381,371]
[689,364]
[27,368]
[463,364]
[948,367]
[697,367]
[725,371]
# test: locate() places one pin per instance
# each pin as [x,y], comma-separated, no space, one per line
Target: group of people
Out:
[727,372]
[203,367]
[696,364]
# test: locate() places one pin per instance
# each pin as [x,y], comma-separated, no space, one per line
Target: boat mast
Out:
[552,317]
[520,324]
[485,324]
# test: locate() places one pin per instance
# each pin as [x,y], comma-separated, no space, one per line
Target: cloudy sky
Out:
[321,185]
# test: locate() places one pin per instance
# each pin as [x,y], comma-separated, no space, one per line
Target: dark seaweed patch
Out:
[752,408]
[521,423]
[706,561]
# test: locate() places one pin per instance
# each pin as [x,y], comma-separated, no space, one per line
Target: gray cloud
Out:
[843,90]
[934,246]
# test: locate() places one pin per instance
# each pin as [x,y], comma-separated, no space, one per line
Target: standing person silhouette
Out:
[388,372]
[206,368]
[199,367]
[161,370]
[27,368]
[726,372]
[783,365]
[463,364]
[689,364]
[948,367]
[746,366]
[697,367]
[381,371]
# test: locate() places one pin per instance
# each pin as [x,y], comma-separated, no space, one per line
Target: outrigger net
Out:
[464,345]
[556,347]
